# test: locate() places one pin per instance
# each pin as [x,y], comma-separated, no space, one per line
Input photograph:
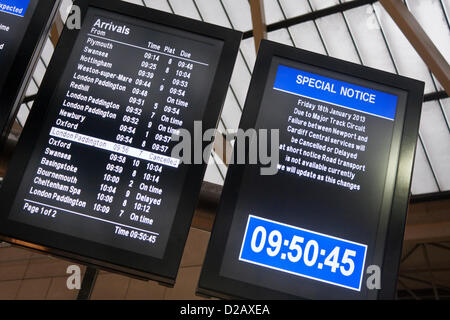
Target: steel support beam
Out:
[435,96]
[259,21]
[88,284]
[419,40]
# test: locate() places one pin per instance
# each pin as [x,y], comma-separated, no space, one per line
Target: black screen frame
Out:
[87,252]
[24,63]
[212,283]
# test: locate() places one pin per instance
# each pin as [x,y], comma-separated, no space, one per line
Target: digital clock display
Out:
[303,253]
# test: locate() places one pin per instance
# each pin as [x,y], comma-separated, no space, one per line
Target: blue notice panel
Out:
[303,253]
[15,7]
[336,92]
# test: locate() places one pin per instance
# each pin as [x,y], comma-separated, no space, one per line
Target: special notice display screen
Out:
[102,168]
[310,230]
[15,16]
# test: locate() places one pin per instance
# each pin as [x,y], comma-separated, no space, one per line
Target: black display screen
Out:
[327,152]
[312,229]
[101,170]
[15,16]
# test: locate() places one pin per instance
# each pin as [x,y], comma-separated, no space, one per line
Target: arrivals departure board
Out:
[312,229]
[101,169]
[23,26]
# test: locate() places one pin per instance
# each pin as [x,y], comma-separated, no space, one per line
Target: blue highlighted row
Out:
[303,253]
[336,92]
[15,7]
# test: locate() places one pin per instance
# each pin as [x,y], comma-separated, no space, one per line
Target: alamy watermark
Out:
[74,18]
[74,279]
[250,147]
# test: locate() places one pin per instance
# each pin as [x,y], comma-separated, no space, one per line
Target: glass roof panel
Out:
[239,13]
[158,5]
[446,107]
[436,27]
[369,39]
[138,2]
[185,8]
[306,36]
[240,79]
[31,89]
[337,38]
[231,113]
[64,10]
[39,72]
[22,115]
[294,8]
[281,36]
[436,138]
[212,12]
[272,11]
[322,4]
[423,180]
[406,59]
[439,86]
[213,175]
[446,6]
[221,127]
[47,51]
[248,50]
